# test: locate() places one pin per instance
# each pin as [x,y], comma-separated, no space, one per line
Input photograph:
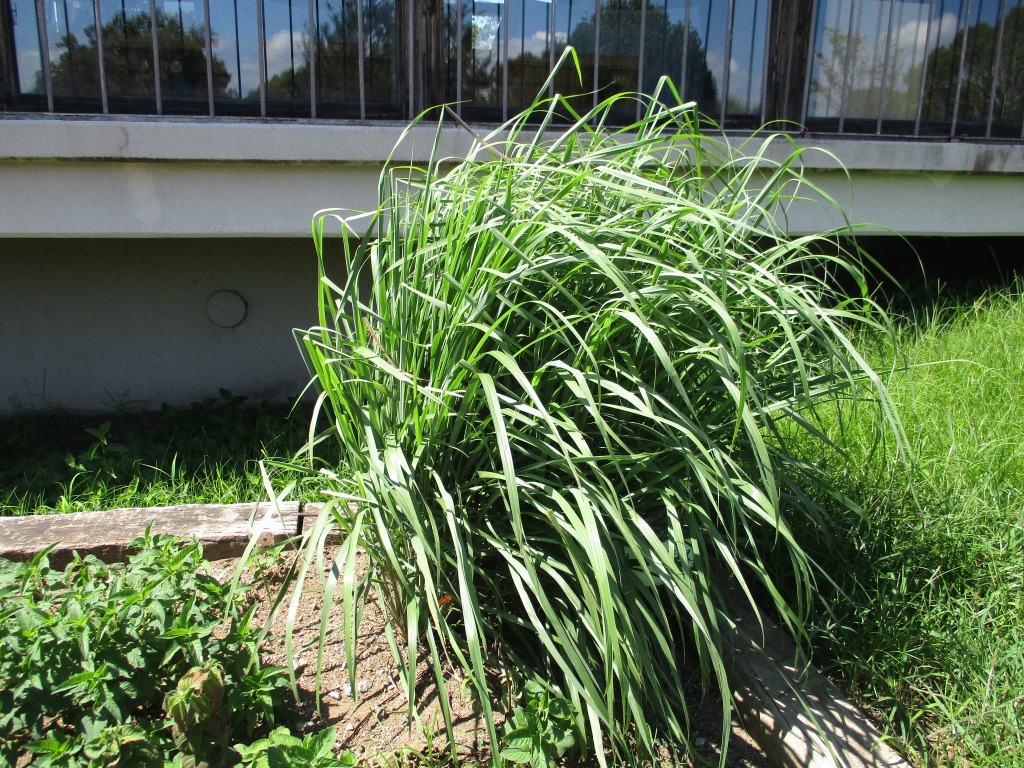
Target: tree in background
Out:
[849,76]
[337,62]
[128,60]
[664,44]
[979,64]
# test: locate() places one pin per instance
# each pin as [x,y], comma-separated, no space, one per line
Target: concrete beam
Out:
[177,177]
[223,529]
[226,140]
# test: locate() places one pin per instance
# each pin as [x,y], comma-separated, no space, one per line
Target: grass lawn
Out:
[924,621]
[207,454]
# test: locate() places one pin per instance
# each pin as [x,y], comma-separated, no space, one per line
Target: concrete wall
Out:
[93,325]
[105,177]
[115,233]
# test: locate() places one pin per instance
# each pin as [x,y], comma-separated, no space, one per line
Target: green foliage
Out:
[205,454]
[283,750]
[128,664]
[541,728]
[557,372]
[925,621]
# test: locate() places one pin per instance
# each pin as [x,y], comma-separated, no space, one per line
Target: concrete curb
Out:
[793,712]
[223,529]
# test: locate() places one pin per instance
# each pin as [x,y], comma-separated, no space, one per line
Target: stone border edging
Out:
[223,529]
[798,717]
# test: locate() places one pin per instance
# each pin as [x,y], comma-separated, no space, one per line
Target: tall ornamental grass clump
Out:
[557,368]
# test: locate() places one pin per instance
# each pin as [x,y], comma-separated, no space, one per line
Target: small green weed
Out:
[135,664]
[208,453]
[541,729]
[283,750]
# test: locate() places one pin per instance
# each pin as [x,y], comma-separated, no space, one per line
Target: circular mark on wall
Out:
[226,309]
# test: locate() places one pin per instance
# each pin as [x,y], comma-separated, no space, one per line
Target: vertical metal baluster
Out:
[643,55]
[261,34]
[924,69]
[790,56]
[314,47]
[504,63]
[522,50]
[805,103]
[551,47]
[458,57]
[995,69]
[728,61]
[707,34]
[960,74]
[846,68]
[153,24]
[411,57]
[361,52]
[238,49]
[897,48]
[597,47]
[99,55]
[764,66]
[209,54]
[291,51]
[885,69]
[686,47]
[750,65]
[44,44]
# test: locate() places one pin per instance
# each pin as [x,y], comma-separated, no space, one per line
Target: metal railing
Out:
[903,67]
[919,69]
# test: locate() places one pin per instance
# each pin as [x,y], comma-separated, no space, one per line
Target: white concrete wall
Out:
[102,324]
[225,178]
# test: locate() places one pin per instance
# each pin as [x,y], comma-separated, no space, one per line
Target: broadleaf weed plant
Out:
[559,400]
[148,663]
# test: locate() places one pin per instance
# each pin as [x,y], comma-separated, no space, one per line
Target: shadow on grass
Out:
[206,454]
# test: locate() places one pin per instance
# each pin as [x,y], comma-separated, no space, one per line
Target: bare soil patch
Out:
[373,720]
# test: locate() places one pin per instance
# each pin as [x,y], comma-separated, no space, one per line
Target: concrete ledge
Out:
[234,140]
[220,140]
[796,715]
[223,529]
[167,177]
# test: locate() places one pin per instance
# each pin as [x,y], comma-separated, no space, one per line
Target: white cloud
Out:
[279,58]
[279,51]
[913,34]
[537,43]
[739,76]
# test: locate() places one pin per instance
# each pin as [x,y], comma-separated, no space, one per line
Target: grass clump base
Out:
[559,403]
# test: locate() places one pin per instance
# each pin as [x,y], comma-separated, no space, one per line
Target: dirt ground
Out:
[374,723]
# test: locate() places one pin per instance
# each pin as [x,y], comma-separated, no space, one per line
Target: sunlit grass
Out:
[932,635]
